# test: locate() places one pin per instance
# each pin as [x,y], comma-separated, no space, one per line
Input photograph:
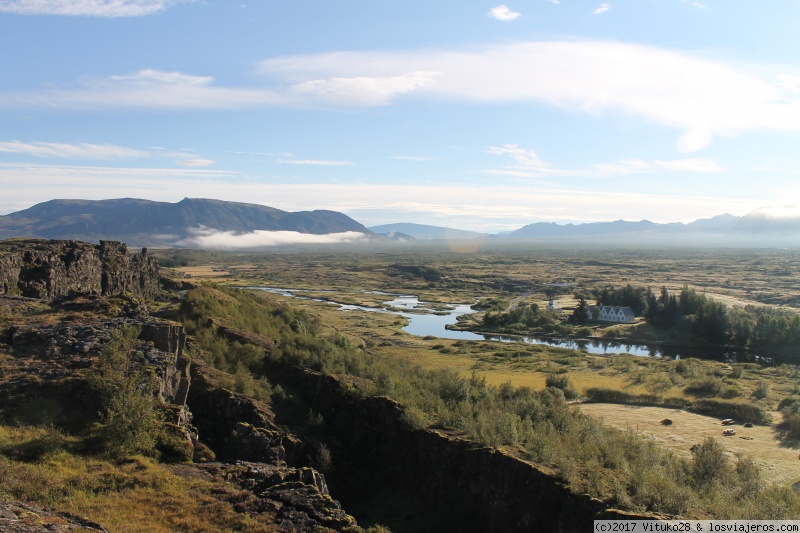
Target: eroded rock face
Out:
[16,517]
[50,269]
[297,498]
[49,358]
[52,359]
[124,272]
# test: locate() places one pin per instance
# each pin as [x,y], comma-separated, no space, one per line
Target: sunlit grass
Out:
[133,496]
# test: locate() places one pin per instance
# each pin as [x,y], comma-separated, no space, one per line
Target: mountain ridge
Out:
[151,223]
[147,222]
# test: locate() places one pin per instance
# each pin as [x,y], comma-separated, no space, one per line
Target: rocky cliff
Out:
[47,356]
[447,483]
[50,269]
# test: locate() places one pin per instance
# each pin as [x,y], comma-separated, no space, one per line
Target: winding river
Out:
[424,321]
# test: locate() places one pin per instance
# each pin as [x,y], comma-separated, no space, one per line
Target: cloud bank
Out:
[211,239]
[784,212]
[87,8]
[701,98]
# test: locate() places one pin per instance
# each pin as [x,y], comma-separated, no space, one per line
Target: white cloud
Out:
[699,164]
[91,8]
[151,78]
[699,97]
[148,89]
[502,12]
[782,212]
[702,98]
[694,140]
[193,163]
[790,82]
[698,5]
[362,90]
[71,151]
[319,162]
[605,6]
[527,158]
[228,240]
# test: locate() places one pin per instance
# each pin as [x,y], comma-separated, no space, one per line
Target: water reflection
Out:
[426,320]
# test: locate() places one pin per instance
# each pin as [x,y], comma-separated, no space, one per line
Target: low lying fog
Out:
[211,239]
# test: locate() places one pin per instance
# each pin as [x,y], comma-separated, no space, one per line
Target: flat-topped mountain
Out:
[145,222]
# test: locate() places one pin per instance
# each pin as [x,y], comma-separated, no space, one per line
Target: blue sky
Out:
[469,114]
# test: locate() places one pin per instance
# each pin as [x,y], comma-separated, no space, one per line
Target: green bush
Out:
[745,412]
[173,445]
[605,395]
[131,414]
[709,462]
[708,385]
[762,390]
[561,381]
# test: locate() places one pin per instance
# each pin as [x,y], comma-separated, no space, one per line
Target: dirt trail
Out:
[779,463]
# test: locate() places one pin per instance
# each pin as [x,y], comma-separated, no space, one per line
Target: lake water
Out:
[423,320]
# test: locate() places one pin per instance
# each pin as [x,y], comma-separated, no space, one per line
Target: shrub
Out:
[762,390]
[203,454]
[790,409]
[708,385]
[746,412]
[709,462]
[561,381]
[131,414]
[174,445]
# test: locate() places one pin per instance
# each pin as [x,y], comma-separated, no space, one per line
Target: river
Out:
[423,320]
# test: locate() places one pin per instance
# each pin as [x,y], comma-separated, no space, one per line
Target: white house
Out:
[615,313]
[554,306]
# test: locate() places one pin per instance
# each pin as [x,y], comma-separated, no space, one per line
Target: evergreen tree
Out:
[581,313]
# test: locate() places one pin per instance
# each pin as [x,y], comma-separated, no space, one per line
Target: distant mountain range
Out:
[756,227]
[423,231]
[199,223]
[148,223]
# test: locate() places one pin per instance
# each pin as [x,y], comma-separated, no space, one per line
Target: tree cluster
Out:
[522,317]
[694,314]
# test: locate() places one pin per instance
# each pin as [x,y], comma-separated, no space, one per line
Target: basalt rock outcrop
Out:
[464,486]
[296,499]
[50,269]
[52,360]
[47,357]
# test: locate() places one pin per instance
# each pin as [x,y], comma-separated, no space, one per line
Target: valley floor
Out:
[779,462]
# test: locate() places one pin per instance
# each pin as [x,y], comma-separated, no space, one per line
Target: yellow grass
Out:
[204,271]
[778,462]
[136,496]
